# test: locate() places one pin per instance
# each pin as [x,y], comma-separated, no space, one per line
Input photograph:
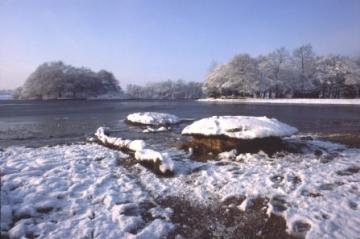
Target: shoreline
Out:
[285,101]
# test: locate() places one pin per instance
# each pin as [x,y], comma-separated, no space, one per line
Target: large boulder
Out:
[245,133]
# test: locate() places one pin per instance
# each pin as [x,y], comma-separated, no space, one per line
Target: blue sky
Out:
[151,40]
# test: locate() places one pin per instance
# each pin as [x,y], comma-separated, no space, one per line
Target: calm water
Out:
[35,123]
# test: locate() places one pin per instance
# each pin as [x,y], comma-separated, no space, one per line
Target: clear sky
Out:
[151,40]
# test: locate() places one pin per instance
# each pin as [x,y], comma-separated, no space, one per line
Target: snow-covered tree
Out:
[237,78]
[304,66]
[334,74]
[55,80]
[166,90]
[279,74]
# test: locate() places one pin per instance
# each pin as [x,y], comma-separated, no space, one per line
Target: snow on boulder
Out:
[246,134]
[152,118]
[133,145]
[160,163]
[239,127]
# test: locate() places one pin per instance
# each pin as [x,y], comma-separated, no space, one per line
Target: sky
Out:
[151,40]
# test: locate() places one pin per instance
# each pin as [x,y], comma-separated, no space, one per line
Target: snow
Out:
[228,154]
[84,190]
[75,191]
[166,164]
[154,130]
[134,145]
[157,229]
[313,192]
[138,146]
[287,101]
[239,127]
[152,118]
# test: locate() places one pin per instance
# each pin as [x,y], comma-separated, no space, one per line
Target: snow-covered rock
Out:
[152,118]
[154,130]
[162,162]
[133,145]
[239,127]
[228,154]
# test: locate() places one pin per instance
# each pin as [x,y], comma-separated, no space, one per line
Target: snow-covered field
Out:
[287,101]
[90,191]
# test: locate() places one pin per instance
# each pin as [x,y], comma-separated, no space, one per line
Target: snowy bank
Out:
[287,101]
[239,127]
[152,118]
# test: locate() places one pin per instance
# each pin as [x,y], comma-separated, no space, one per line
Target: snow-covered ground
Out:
[76,191]
[88,190]
[239,127]
[153,118]
[321,192]
[287,101]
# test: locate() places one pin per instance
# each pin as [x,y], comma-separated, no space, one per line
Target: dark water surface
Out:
[36,123]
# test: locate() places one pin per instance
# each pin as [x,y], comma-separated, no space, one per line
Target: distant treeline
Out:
[280,74]
[166,90]
[55,80]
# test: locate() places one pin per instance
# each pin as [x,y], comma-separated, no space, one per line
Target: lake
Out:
[36,123]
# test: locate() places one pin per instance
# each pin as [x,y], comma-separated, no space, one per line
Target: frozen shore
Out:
[286,101]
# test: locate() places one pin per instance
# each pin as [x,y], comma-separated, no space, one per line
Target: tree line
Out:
[168,89]
[281,74]
[56,80]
